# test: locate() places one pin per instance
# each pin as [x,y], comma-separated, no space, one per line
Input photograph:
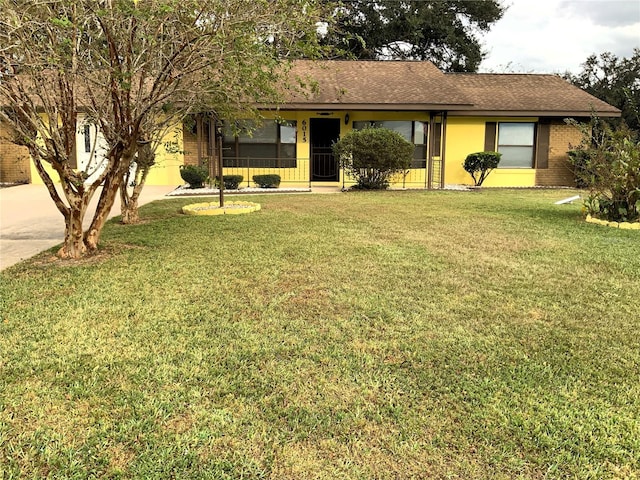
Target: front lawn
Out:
[348,336]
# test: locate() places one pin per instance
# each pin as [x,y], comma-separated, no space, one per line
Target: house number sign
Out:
[304,130]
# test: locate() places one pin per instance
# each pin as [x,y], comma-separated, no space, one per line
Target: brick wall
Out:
[561,139]
[14,159]
[190,140]
[190,146]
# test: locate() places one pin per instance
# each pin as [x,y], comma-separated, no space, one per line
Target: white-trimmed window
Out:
[412,131]
[516,143]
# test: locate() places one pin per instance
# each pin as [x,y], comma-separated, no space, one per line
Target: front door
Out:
[324,133]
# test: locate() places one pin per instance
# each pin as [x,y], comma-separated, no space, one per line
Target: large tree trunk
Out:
[129,203]
[78,199]
[112,182]
[73,246]
[105,203]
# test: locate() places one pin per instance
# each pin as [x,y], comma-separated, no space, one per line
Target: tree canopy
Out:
[446,32]
[134,68]
[615,80]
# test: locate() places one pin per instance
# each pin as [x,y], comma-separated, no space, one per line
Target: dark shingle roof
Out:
[384,85]
[411,85]
[528,93]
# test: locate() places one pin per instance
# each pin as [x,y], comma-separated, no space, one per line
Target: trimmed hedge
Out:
[194,175]
[232,182]
[480,164]
[267,181]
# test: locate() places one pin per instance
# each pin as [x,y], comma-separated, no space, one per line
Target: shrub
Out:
[232,182]
[579,159]
[267,181]
[373,155]
[480,164]
[194,175]
[610,168]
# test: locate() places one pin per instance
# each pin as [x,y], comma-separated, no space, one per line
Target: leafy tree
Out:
[135,68]
[608,163]
[373,155]
[445,32]
[480,164]
[614,80]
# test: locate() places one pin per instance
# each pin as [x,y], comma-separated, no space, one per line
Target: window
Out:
[272,145]
[412,131]
[516,144]
[87,138]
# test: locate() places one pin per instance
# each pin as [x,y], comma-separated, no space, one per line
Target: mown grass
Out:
[355,336]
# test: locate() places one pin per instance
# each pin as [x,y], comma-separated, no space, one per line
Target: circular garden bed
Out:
[214,208]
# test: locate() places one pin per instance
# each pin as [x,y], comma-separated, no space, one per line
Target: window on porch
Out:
[271,145]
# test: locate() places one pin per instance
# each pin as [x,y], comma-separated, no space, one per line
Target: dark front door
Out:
[324,132]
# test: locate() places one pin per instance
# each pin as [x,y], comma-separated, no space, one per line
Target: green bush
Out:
[231,182]
[579,159]
[267,181]
[373,155]
[609,166]
[194,175]
[480,164]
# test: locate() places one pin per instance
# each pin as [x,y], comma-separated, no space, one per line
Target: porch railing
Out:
[322,168]
[291,170]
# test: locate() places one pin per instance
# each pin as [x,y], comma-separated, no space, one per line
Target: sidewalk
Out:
[31,223]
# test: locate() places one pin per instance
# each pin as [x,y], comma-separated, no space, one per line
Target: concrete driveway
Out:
[31,223]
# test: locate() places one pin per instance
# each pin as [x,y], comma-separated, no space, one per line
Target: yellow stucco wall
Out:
[465,135]
[169,157]
[35,176]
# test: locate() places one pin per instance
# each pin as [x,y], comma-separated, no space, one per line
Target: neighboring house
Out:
[446,117]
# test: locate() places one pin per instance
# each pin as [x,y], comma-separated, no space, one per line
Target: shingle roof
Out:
[528,93]
[412,85]
[384,85]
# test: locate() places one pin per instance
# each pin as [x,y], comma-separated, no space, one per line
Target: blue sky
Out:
[553,36]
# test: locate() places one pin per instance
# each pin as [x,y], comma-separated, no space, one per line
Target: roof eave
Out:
[534,113]
[416,107]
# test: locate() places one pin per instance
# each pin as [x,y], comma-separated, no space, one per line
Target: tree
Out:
[607,162]
[614,80]
[373,155]
[480,164]
[135,68]
[445,32]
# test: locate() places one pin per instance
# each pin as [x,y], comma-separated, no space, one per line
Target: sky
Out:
[555,36]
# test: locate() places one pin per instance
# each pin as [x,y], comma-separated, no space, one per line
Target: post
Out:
[431,138]
[219,134]
[443,147]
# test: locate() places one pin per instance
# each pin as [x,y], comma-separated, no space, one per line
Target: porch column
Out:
[443,148]
[199,137]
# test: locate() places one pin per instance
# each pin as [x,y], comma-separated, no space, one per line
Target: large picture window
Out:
[412,131]
[516,144]
[272,145]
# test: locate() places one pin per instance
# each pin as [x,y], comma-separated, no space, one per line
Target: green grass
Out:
[351,336]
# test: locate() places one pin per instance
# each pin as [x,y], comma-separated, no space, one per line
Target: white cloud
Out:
[553,36]
[611,13]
